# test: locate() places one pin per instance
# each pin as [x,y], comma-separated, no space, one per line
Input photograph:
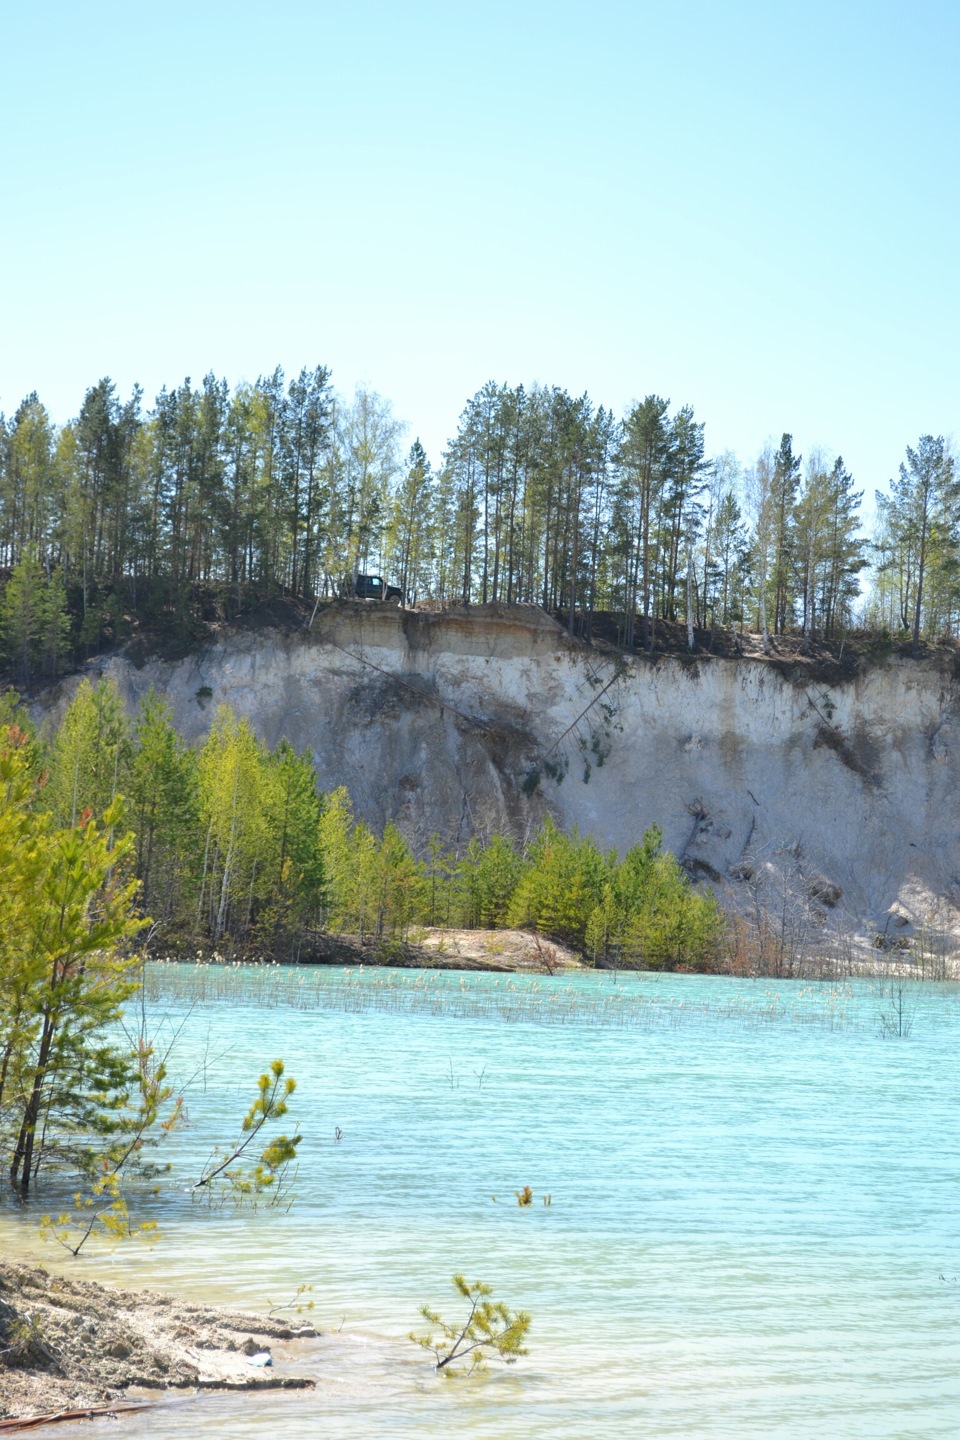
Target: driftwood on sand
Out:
[27,1422]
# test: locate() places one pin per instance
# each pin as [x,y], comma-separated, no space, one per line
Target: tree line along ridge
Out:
[213,500]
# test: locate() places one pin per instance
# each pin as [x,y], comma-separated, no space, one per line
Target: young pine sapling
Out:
[490,1326]
[241,1179]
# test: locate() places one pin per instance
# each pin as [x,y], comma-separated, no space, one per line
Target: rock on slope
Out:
[835,799]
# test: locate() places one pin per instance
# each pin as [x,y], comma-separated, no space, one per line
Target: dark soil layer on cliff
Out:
[834,660]
[796,657]
[70,1345]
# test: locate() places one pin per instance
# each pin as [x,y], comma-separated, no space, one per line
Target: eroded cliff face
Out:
[836,800]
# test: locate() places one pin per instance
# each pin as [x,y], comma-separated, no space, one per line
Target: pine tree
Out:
[828,548]
[55,628]
[922,516]
[235,784]
[336,831]
[23,622]
[643,460]
[66,920]
[560,886]
[784,485]
[485,880]
[28,491]
[304,444]
[682,510]
[400,887]
[759,487]
[90,754]
[163,810]
[296,900]
[410,537]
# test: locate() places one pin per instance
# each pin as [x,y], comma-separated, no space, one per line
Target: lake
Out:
[754,1197]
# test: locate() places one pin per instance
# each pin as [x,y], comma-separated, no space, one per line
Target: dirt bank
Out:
[75,1345]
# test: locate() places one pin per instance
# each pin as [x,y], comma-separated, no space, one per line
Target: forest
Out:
[214,499]
[232,850]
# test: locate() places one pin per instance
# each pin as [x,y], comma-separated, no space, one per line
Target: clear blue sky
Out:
[751,207]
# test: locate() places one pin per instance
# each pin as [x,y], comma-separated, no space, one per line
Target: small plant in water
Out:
[896,1010]
[490,1326]
[232,1170]
[102,1211]
[524,1196]
[297,1304]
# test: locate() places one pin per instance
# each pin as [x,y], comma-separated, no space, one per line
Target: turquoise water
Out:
[755,1194]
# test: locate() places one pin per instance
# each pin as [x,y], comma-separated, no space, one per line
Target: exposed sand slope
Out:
[767,781]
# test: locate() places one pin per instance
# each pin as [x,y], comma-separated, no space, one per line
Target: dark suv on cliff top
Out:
[372,587]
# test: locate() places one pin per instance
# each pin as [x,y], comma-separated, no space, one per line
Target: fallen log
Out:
[26,1422]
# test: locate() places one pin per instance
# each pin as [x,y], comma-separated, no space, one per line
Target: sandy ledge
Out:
[499,952]
[73,1345]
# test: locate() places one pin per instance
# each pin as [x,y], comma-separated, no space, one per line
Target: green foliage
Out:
[262,869]
[485,880]
[164,809]
[560,886]
[410,537]
[90,754]
[293,810]
[232,1174]
[101,1210]
[297,1304]
[375,887]
[438,867]
[234,846]
[34,623]
[66,921]
[25,1339]
[649,915]
[211,500]
[918,543]
[338,843]
[232,770]
[490,1328]
[399,885]
[69,1091]
[640,911]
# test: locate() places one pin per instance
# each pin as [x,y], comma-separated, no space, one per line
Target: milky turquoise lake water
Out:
[754,1228]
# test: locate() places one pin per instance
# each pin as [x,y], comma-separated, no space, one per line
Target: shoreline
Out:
[522,952]
[491,951]
[70,1348]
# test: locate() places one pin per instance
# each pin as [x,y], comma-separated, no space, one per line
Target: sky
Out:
[746,207]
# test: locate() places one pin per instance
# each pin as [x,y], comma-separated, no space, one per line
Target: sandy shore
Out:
[497,951]
[74,1345]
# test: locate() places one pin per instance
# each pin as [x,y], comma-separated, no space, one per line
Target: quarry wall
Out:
[836,799]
